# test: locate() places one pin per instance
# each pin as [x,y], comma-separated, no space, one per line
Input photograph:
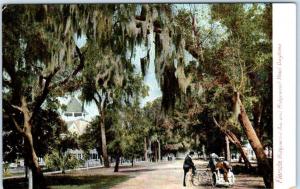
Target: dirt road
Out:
[170,176]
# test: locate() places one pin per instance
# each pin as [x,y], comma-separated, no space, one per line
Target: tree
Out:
[88,141]
[129,126]
[249,52]
[40,60]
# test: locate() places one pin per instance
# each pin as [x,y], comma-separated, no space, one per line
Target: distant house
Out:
[77,120]
[75,116]
[74,110]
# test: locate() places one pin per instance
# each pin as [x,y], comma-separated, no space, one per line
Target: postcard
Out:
[148,95]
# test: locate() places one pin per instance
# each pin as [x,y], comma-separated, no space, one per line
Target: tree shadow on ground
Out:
[70,181]
[240,169]
[135,170]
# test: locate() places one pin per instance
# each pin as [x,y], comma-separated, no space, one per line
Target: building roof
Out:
[77,126]
[74,105]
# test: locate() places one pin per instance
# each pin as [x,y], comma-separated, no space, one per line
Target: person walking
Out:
[187,165]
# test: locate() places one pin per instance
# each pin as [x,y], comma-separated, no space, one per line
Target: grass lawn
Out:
[71,182]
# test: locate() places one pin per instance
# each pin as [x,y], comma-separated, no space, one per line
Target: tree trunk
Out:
[228,155]
[26,171]
[155,152]
[132,158]
[149,149]
[231,136]
[117,162]
[38,181]
[145,149]
[159,151]
[197,141]
[103,139]
[30,180]
[203,152]
[257,115]
[263,163]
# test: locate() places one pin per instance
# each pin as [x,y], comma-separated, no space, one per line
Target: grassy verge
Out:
[71,182]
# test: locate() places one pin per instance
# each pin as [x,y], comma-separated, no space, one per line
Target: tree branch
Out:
[17,126]
[99,96]
[17,107]
[215,121]
[74,73]
[47,87]
[226,132]
[38,101]
[96,101]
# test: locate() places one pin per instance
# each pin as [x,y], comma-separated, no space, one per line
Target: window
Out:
[77,114]
[68,114]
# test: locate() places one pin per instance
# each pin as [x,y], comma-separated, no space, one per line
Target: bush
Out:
[61,161]
[6,172]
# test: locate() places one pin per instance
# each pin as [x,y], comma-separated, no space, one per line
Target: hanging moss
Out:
[170,89]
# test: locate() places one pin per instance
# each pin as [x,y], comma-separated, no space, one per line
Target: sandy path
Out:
[170,176]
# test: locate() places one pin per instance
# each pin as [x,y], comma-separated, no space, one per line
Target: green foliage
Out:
[247,56]
[61,160]
[129,128]
[48,128]
[91,138]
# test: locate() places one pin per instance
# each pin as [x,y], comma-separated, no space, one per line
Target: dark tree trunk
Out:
[263,163]
[117,162]
[103,139]
[145,149]
[26,171]
[132,158]
[101,159]
[155,152]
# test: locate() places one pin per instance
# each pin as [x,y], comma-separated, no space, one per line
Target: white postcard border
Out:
[284,95]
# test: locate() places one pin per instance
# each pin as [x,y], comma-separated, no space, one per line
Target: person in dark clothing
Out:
[187,165]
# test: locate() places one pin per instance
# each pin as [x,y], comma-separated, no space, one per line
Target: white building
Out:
[77,120]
